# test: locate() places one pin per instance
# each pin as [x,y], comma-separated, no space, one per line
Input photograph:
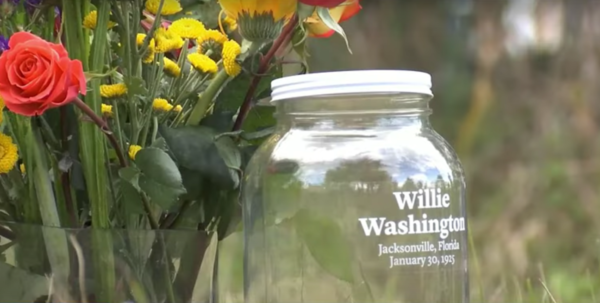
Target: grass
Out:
[567,288]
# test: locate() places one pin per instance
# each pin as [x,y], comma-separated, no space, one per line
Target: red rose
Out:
[36,75]
[323,3]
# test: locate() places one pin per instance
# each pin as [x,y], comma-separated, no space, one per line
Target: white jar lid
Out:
[351,82]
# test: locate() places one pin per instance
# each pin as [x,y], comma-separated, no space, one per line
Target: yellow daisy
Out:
[133,150]
[231,51]
[187,28]
[8,154]
[91,20]
[177,108]
[171,68]
[211,40]
[149,57]
[203,63]
[161,105]
[260,20]
[167,41]
[113,90]
[230,23]
[170,7]
[107,110]
[277,9]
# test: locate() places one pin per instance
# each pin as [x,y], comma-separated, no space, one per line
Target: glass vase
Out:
[145,266]
[355,198]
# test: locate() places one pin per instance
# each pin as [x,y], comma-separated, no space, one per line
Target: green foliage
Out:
[206,11]
[156,175]
[128,185]
[24,286]
[326,242]
[187,170]
[201,151]
[136,86]
[230,100]
[328,20]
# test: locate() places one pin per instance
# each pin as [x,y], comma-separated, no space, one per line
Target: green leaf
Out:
[160,143]
[259,118]
[325,16]
[131,200]
[260,134]
[131,175]
[24,286]
[229,152]
[231,214]
[193,181]
[206,11]
[160,178]
[197,149]
[233,96]
[136,86]
[220,121]
[300,46]
[326,243]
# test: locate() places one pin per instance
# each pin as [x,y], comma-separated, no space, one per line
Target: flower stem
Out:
[55,239]
[207,96]
[264,66]
[92,150]
[113,141]
[104,128]
[65,178]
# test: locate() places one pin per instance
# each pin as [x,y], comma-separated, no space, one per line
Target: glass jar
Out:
[355,198]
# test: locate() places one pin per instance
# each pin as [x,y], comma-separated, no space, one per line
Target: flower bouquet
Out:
[125,129]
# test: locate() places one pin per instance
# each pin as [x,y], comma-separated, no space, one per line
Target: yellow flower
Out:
[278,9]
[203,63]
[8,154]
[22,168]
[187,28]
[167,41]
[151,47]
[259,20]
[133,150]
[113,90]
[230,23]
[170,7]
[107,110]
[210,40]
[171,68]
[161,105]
[177,108]
[231,50]
[91,20]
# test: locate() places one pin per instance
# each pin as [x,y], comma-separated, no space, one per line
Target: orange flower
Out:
[323,3]
[341,13]
[36,75]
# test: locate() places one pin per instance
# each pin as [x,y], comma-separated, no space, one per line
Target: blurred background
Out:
[516,86]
